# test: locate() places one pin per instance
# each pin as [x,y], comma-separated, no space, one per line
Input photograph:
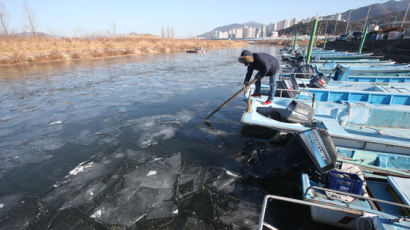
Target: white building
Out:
[337,17]
[373,27]
[220,35]
[249,32]
[275,35]
[294,21]
[236,33]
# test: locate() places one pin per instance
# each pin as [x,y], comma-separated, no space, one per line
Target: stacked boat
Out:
[353,119]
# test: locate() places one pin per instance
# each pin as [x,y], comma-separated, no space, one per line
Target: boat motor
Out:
[295,112]
[305,71]
[339,71]
[316,151]
[318,81]
[287,87]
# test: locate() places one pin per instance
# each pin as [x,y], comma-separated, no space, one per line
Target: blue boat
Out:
[376,162]
[375,98]
[377,208]
[383,128]
[369,69]
[348,56]
[341,54]
[394,94]
[364,61]
[345,75]
[360,199]
[387,87]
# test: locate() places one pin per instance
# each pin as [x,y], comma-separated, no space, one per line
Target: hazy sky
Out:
[188,18]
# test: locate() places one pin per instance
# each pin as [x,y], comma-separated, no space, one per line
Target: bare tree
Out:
[172,32]
[31,18]
[162,32]
[3,19]
[168,31]
[114,29]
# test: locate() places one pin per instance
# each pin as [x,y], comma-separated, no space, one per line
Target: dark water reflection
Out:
[120,143]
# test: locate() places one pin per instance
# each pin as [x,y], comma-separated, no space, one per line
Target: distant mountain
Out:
[380,13]
[231,26]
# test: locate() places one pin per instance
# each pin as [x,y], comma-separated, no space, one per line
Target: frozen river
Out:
[120,143]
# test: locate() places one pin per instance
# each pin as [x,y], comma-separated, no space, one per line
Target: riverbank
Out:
[29,50]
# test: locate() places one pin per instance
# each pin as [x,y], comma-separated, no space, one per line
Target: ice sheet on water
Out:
[213,131]
[8,202]
[142,195]
[159,127]
[111,141]
[6,131]
[116,194]
[219,180]
[188,224]
[47,143]
[77,186]
[189,182]
[244,215]
[152,135]
[108,132]
[92,178]
[18,156]
[85,137]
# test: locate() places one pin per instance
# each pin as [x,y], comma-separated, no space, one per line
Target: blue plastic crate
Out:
[345,182]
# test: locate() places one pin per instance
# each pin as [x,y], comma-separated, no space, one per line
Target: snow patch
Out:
[152,173]
[56,122]
[96,214]
[80,168]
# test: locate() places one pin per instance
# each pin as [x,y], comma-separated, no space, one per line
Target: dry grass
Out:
[28,50]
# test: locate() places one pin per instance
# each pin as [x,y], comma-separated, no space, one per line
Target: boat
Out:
[376,63]
[375,86]
[376,162]
[347,61]
[393,94]
[367,95]
[368,69]
[349,196]
[345,57]
[344,74]
[383,128]
[383,204]
[197,51]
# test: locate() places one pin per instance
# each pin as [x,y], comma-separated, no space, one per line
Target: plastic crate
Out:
[345,182]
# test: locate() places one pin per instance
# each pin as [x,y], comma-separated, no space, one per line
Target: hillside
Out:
[377,10]
[380,13]
[306,28]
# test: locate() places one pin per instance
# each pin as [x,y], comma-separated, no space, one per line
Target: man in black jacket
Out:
[267,66]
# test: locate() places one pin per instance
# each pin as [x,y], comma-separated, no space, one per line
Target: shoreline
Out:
[15,51]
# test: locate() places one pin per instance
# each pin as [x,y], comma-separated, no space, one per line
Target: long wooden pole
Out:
[295,42]
[405,15]
[348,22]
[362,41]
[367,16]
[312,39]
[230,99]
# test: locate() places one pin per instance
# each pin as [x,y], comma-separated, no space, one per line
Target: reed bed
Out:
[31,50]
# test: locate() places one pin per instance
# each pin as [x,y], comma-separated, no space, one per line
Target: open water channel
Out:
[121,143]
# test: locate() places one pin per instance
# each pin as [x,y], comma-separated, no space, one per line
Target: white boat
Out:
[352,125]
